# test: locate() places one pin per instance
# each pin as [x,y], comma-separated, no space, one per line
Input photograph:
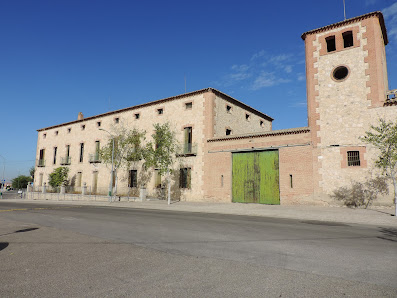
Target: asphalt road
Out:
[49,250]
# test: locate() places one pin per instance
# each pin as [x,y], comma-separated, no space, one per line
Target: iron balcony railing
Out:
[188,149]
[94,158]
[66,160]
[41,163]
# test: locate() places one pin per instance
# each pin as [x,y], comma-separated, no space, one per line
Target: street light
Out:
[4,167]
[111,174]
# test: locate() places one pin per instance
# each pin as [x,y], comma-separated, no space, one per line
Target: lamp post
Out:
[4,167]
[111,174]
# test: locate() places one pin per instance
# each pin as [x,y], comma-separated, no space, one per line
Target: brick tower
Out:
[346,93]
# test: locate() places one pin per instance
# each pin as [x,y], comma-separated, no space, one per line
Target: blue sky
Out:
[61,57]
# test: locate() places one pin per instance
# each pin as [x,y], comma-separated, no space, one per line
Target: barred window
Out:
[133,178]
[353,158]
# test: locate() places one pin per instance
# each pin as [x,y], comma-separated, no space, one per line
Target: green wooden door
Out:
[256,177]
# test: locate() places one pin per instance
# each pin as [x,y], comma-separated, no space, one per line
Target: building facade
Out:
[236,156]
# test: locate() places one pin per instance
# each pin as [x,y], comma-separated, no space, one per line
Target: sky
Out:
[62,57]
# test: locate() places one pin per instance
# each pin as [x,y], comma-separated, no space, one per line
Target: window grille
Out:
[353,158]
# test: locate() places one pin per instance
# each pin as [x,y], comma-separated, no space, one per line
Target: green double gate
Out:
[256,177]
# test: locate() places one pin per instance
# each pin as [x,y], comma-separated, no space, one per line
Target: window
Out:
[116,120]
[340,73]
[160,111]
[69,130]
[290,181]
[331,46]
[185,178]
[81,152]
[353,158]
[228,132]
[347,39]
[261,123]
[188,105]
[56,132]
[157,179]
[98,124]
[41,158]
[247,117]
[137,115]
[44,136]
[97,146]
[228,109]
[55,155]
[83,127]
[188,140]
[133,178]
[78,179]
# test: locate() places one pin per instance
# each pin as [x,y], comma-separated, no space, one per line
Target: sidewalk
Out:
[380,216]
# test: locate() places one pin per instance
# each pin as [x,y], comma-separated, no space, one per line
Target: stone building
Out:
[194,117]
[237,157]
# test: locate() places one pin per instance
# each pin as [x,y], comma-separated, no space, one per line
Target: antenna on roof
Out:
[344,9]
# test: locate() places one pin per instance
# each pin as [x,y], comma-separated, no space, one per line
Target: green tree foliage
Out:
[21,181]
[59,177]
[32,171]
[361,194]
[128,150]
[384,137]
[161,152]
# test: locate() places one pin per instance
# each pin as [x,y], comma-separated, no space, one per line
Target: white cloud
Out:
[288,68]
[261,71]
[266,79]
[390,14]
[301,76]
[370,2]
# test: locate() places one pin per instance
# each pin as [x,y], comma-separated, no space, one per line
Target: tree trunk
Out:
[393,177]
[169,187]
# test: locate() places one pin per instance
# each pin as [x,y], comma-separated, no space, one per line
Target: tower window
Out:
[228,109]
[137,115]
[340,73]
[331,46]
[116,120]
[347,39]
[247,117]
[228,132]
[188,105]
[160,111]
[353,158]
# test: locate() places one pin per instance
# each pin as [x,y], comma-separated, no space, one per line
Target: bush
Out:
[361,194]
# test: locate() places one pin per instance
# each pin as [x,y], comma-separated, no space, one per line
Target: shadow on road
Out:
[389,234]
[3,245]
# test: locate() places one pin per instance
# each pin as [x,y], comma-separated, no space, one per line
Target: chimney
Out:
[80,116]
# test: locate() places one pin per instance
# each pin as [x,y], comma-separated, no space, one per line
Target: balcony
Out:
[41,163]
[65,161]
[94,158]
[189,149]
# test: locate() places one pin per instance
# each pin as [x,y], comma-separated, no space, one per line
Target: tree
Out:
[21,181]
[31,172]
[128,150]
[59,177]
[384,137]
[161,152]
